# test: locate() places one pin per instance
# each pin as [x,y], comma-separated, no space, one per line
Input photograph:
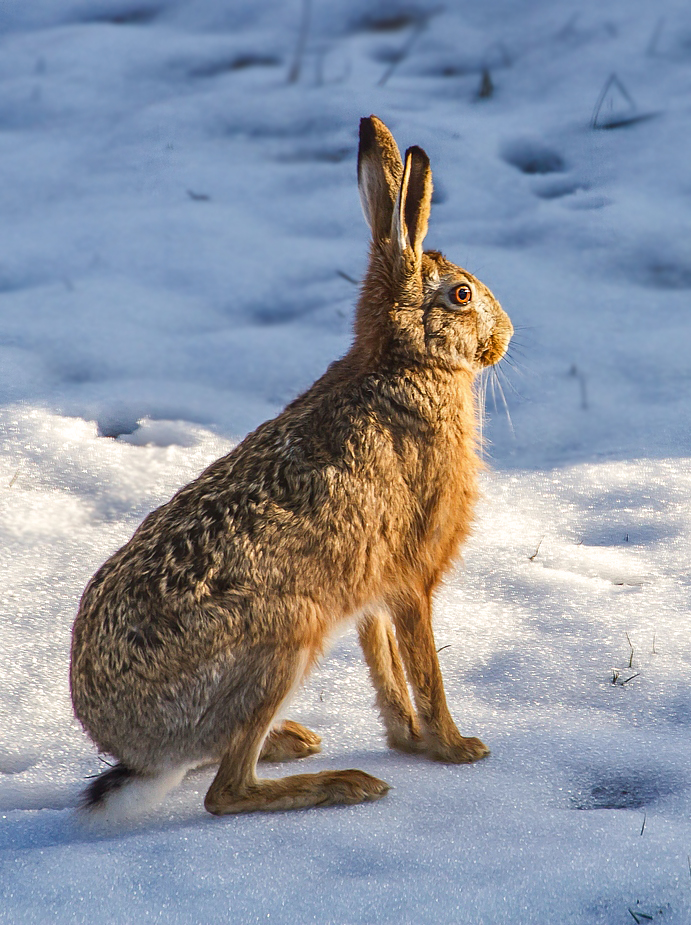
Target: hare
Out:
[348,506]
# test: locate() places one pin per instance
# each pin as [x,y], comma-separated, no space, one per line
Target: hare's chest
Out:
[448,519]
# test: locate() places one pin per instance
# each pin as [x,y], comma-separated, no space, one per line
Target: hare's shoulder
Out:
[322,433]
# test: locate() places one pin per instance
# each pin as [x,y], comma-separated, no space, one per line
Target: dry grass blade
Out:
[486,88]
[403,53]
[534,555]
[651,50]
[347,277]
[296,66]
[629,116]
[405,50]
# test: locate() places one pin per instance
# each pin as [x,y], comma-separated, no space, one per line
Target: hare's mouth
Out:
[494,347]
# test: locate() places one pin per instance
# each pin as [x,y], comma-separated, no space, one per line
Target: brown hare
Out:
[349,506]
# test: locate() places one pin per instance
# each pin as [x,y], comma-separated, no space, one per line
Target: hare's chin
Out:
[491,352]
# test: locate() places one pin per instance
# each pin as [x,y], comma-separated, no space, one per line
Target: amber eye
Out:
[461,295]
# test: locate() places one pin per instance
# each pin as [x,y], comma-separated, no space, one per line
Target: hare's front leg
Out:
[381,654]
[412,616]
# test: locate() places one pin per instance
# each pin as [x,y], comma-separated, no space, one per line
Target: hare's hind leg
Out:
[236,787]
[289,740]
[386,671]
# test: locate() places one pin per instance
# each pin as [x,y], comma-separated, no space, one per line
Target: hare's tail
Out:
[123,794]
[107,783]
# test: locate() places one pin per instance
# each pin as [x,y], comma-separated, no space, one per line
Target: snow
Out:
[177,225]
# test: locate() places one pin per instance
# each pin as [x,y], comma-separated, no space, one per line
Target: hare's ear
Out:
[379,171]
[412,208]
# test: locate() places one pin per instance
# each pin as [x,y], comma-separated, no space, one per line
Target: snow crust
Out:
[179,232]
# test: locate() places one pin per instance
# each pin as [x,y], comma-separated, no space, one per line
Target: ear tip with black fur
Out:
[367,133]
[416,153]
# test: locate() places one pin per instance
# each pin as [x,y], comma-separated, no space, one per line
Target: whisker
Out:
[523,335]
[501,374]
[510,360]
[481,411]
[494,394]
[481,405]
[495,378]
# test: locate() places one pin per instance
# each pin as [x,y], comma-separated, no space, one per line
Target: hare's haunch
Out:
[350,505]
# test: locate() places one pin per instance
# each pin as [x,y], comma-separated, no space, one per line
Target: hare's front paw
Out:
[462,751]
[289,741]
[408,740]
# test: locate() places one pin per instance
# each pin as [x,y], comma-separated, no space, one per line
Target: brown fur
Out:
[351,504]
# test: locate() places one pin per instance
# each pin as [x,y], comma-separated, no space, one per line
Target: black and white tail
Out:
[121,794]
[101,787]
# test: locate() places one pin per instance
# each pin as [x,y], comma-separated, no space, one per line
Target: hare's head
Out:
[416,304]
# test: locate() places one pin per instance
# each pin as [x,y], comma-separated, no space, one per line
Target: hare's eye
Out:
[461,295]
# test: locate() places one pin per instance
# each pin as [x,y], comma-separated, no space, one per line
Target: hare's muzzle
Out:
[496,345]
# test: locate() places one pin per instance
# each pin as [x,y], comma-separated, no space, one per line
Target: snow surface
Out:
[178,222]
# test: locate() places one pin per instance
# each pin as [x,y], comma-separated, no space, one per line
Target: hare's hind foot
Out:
[289,741]
[300,791]
[236,788]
